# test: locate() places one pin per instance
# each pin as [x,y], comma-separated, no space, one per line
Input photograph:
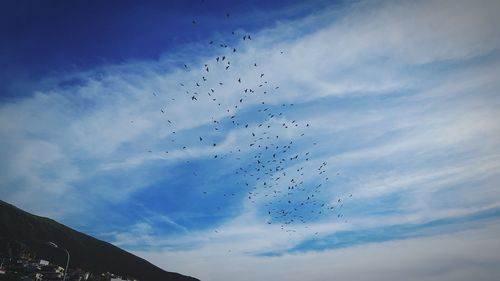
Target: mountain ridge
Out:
[87,252]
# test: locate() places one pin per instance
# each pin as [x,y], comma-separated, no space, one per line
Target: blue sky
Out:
[374,133]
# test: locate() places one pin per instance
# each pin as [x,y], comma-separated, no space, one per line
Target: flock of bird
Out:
[278,170]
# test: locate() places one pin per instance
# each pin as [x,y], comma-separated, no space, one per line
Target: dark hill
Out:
[24,233]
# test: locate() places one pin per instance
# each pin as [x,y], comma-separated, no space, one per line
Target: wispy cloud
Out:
[399,99]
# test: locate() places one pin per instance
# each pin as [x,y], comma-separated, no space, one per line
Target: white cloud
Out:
[399,98]
[459,256]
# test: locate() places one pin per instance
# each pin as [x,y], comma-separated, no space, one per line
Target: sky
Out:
[261,140]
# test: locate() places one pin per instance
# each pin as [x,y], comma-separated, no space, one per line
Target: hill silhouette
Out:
[22,233]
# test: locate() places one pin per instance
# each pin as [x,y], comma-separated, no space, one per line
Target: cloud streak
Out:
[400,100]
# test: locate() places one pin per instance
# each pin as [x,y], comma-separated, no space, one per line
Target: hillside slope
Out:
[18,227]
